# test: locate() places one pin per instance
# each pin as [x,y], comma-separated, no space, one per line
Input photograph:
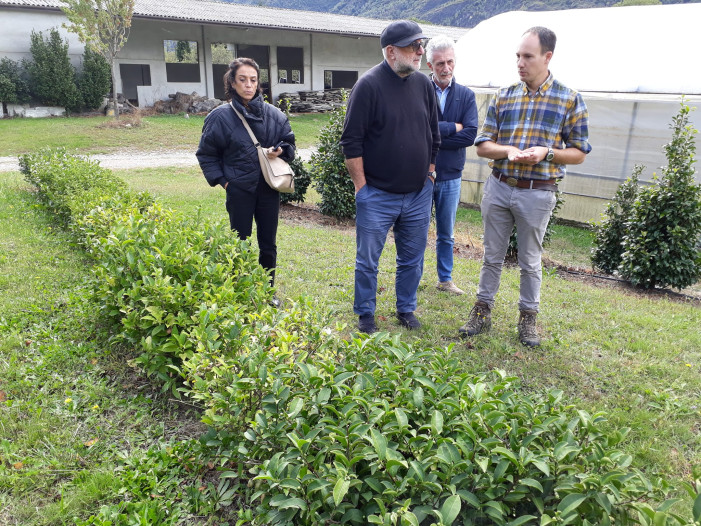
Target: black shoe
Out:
[366,324]
[408,320]
[274,302]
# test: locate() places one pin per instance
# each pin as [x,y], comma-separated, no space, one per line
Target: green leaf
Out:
[470,498]
[570,503]
[450,509]
[340,490]
[291,503]
[532,483]
[697,509]
[410,519]
[379,442]
[401,417]
[437,422]
[296,405]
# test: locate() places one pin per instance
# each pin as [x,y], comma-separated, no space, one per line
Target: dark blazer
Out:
[460,107]
[226,152]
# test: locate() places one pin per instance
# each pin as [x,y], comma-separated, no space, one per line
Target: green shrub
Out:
[664,227]
[95,79]
[329,172]
[608,243]
[302,181]
[313,429]
[64,180]
[13,86]
[51,74]
[378,431]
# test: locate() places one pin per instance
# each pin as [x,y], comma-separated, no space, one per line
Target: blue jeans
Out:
[408,215]
[446,198]
[502,207]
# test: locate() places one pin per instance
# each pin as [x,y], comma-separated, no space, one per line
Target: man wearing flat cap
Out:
[390,141]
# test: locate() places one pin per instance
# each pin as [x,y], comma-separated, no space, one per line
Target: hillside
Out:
[463,13]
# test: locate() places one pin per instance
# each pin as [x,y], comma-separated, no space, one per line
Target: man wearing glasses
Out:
[390,141]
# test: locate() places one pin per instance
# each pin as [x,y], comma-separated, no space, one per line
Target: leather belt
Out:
[531,184]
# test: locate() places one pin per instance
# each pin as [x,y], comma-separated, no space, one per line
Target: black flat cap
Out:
[401,33]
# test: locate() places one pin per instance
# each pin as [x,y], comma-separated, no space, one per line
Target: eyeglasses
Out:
[416,44]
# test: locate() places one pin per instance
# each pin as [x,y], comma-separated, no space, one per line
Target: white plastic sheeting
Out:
[636,49]
[632,66]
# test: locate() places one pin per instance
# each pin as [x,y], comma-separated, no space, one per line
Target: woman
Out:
[229,158]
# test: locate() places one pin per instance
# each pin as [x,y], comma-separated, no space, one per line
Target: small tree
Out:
[95,80]
[13,87]
[664,228]
[51,74]
[329,171]
[104,26]
[608,244]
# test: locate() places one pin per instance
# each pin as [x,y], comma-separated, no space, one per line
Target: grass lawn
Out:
[95,135]
[78,423]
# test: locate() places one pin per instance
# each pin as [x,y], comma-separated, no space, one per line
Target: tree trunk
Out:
[115,105]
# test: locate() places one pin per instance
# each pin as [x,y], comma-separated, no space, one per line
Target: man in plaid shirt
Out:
[532,130]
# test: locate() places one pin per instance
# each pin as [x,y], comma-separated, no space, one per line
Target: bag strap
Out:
[248,128]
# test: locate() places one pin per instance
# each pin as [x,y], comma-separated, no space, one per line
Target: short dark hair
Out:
[230,74]
[546,36]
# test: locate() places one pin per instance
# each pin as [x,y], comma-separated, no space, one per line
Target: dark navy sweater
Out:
[392,123]
[460,107]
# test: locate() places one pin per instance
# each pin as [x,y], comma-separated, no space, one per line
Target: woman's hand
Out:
[272,153]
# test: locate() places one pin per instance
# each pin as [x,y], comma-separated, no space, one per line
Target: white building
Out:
[632,66]
[296,50]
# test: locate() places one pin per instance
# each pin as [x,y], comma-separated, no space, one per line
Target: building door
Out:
[134,75]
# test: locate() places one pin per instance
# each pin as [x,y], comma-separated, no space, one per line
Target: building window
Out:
[290,65]
[339,79]
[223,53]
[182,60]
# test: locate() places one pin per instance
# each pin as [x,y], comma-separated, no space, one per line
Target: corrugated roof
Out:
[215,12]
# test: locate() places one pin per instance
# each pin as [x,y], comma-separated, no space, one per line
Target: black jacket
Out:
[226,152]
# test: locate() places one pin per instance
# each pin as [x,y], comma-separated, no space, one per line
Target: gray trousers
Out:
[502,206]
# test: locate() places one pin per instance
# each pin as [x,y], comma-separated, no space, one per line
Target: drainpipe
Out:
[311,62]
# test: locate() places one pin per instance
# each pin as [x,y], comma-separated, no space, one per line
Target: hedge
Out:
[311,428]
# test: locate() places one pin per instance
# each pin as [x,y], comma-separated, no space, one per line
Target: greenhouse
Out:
[633,65]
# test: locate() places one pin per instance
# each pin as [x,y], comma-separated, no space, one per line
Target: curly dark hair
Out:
[231,74]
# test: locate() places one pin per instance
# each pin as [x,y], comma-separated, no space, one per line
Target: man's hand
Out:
[458,127]
[528,156]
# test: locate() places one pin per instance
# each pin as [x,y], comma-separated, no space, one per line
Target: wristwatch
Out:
[551,155]
[432,174]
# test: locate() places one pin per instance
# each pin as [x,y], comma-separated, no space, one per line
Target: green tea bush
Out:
[661,248]
[64,180]
[309,428]
[610,232]
[378,431]
[51,74]
[329,172]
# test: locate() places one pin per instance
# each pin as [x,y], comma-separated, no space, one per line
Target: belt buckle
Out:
[511,181]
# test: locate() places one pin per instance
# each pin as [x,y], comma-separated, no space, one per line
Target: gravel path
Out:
[126,161]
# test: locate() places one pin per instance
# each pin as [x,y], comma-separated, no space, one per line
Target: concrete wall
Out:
[625,130]
[145,46]
[17,26]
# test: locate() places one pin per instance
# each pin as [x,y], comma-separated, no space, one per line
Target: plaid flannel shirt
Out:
[555,117]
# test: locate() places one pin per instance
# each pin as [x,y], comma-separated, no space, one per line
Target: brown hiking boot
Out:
[449,286]
[527,332]
[479,321]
